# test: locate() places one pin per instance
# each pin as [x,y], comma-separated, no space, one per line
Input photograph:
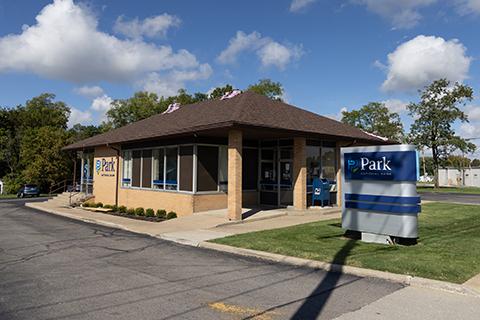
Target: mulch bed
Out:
[150,219]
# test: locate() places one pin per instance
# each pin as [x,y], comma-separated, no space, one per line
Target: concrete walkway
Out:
[199,227]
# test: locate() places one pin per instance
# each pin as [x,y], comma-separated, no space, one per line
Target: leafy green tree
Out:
[142,105]
[42,111]
[434,116]
[80,132]
[220,91]
[375,118]
[475,163]
[41,154]
[456,161]
[268,88]
[9,141]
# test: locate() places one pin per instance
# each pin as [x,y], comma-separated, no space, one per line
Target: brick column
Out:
[339,174]
[299,174]
[235,175]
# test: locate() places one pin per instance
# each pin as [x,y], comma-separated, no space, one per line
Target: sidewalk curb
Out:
[355,271]
[86,220]
[361,272]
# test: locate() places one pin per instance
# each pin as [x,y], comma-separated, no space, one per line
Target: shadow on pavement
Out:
[314,304]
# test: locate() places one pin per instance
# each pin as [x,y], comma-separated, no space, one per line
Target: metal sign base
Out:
[376,238]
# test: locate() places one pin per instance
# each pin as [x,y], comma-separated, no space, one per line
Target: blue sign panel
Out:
[381,165]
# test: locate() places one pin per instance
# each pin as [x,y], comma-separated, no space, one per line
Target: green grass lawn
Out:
[467,190]
[448,248]
[14,196]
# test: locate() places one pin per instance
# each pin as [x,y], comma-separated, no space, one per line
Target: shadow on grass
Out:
[313,305]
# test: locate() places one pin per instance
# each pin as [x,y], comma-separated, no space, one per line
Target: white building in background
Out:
[469,177]
[1,187]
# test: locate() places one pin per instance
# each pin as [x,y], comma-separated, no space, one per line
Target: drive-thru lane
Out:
[55,268]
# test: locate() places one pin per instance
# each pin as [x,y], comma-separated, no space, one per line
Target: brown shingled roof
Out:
[246,109]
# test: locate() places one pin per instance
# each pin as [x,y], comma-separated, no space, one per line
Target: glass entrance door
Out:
[276,188]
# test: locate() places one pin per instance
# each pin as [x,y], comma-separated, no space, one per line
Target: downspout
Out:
[118,173]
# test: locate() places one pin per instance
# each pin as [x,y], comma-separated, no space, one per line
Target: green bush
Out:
[140,211]
[131,212]
[99,205]
[149,212]
[122,209]
[11,183]
[161,213]
[87,204]
[108,206]
[115,208]
[171,215]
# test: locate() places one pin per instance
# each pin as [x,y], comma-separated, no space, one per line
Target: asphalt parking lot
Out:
[55,268]
[451,197]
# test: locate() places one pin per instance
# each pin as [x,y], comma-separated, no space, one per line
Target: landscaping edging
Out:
[355,271]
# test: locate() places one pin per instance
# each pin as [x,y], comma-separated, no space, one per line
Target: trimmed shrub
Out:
[140,211]
[108,206]
[171,215]
[99,205]
[86,204]
[149,212]
[131,212]
[122,209]
[161,213]
[114,208]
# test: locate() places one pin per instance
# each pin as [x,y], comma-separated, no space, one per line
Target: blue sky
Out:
[328,55]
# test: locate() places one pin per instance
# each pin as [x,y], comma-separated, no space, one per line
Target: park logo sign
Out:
[105,167]
[379,191]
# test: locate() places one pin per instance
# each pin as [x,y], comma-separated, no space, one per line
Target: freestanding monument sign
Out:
[379,191]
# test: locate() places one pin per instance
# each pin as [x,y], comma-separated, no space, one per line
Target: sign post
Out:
[379,192]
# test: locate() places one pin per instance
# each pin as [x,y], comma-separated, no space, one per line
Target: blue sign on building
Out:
[381,165]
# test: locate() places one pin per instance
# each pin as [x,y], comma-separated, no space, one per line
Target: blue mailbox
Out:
[321,191]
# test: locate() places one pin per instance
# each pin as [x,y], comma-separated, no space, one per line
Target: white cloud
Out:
[89,92]
[424,59]
[270,52]
[102,104]
[152,27]
[66,44]
[465,7]
[169,84]
[276,54]
[396,105]
[337,116]
[79,116]
[403,14]
[298,5]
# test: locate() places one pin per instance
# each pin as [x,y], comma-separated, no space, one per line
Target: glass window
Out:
[223,168]
[328,163]
[127,169]
[136,167]
[171,155]
[250,169]
[147,169]
[207,168]
[313,163]
[158,168]
[186,168]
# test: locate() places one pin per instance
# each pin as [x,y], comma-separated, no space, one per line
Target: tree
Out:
[268,88]
[475,163]
[42,111]
[44,161]
[143,105]
[375,118]
[31,139]
[220,91]
[434,116]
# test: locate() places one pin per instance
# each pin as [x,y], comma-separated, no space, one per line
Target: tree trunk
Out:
[435,167]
